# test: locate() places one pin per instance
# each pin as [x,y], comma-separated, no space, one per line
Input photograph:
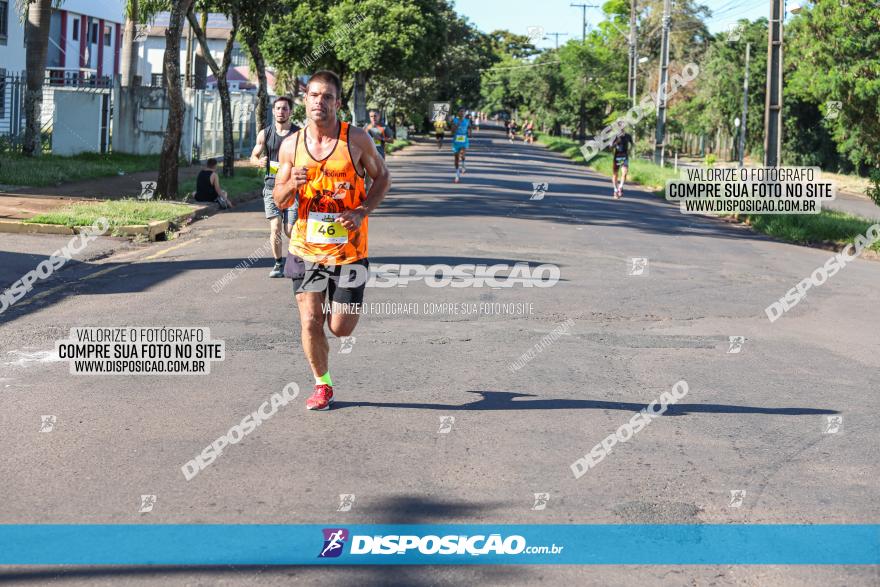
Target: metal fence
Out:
[207,116]
[203,109]
[12,115]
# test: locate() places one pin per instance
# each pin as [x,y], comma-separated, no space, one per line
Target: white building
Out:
[84,44]
[151,51]
[84,38]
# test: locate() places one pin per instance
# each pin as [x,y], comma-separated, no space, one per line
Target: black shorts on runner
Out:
[620,161]
[314,277]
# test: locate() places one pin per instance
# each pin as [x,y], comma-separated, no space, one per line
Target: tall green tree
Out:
[231,9]
[833,62]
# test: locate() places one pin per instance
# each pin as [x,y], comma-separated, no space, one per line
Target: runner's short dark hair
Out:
[283,99]
[211,162]
[327,77]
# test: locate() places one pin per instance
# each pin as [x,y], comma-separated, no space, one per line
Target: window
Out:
[4,20]
[54,58]
[75,26]
[156,80]
[94,33]
[108,33]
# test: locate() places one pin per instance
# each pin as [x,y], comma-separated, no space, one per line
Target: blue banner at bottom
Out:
[621,544]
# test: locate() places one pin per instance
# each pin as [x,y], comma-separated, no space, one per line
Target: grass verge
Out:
[641,172]
[117,213]
[397,145]
[827,227]
[50,170]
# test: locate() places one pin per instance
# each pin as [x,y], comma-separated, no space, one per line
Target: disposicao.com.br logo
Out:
[334,540]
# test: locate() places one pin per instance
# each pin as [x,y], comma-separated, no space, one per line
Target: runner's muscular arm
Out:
[256,157]
[375,167]
[288,180]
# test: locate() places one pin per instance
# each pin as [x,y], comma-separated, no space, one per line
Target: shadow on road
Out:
[337,575]
[142,276]
[505,400]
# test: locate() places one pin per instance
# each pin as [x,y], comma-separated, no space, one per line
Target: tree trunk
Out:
[263,90]
[200,66]
[220,72]
[128,60]
[188,81]
[359,99]
[168,162]
[582,122]
[37,35]
[226,111]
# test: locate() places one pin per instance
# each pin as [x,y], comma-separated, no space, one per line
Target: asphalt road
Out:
[753,421]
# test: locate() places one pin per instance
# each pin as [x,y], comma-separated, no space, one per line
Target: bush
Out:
[710,159]
[874,189]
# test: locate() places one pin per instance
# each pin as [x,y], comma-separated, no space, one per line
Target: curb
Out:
[151,230]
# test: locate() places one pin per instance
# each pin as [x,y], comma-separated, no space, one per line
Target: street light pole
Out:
[633,65]
[742,130]
[583,8]
[773,103]
[557,35]
[660,136]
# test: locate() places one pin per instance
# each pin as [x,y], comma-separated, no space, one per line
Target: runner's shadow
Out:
[504,400]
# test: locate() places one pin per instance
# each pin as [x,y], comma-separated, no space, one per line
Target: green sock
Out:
[324,379]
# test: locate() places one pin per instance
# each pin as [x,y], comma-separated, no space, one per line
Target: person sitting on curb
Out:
[208,186]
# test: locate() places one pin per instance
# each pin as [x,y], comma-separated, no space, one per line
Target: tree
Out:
[136,12]
[220,70]
[517,46]
[170,156]
[254,20]
[833,59]
[293,42]
[128,61]
[37,39]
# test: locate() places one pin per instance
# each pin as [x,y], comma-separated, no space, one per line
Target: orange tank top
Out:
[334,185]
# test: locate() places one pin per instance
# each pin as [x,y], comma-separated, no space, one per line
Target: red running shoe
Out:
[321,399]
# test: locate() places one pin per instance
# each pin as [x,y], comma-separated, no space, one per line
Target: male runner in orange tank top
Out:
[326,164]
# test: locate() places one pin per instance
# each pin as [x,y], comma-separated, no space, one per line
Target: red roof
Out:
[242,74]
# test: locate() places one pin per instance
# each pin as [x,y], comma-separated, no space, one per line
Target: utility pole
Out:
[773,103]
[660,137]
[742,130]
[583,8]
[557,35]
[633,54]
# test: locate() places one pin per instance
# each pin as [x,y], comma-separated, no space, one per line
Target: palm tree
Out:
[128,62]
[36,33]
[136,12]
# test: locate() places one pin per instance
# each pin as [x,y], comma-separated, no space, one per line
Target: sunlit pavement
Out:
[755,420]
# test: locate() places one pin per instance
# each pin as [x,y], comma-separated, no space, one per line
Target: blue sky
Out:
[558,16]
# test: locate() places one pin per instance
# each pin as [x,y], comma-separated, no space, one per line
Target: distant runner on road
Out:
[511,130]
[323,168]
[265,155]
[378,133]
[529,132]
[461,126]
[620,146]
[440,131]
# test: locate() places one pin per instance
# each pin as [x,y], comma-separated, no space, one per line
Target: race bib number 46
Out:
[322,228]
[273,167]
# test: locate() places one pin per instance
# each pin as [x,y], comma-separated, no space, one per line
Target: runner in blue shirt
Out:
[461,130]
